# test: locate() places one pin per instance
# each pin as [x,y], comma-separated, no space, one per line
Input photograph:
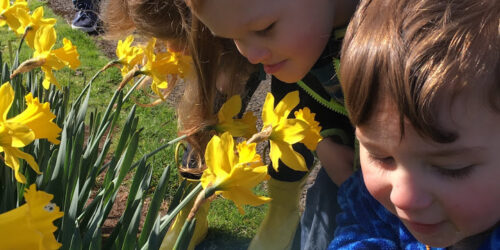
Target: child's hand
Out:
[337,160]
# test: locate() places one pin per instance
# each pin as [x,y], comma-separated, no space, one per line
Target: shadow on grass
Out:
[223,239]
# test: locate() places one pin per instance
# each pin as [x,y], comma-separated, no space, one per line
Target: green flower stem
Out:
[133,88]
[166,220]
[203,196]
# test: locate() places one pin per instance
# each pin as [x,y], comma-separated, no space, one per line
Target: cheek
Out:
[375,181]
[474,206]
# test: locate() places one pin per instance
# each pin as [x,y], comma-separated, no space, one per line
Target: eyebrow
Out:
[456,151]
[369,143]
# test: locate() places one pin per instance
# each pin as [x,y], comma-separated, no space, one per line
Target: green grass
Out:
[156,131]
[227,228]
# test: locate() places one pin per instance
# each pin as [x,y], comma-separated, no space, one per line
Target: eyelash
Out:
[449,173]
[266,30]
[382,161]
[455,173]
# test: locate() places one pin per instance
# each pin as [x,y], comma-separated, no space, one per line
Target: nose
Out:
[409,191]
[253,52]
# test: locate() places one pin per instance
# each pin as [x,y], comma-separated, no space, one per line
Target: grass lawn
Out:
[227,228]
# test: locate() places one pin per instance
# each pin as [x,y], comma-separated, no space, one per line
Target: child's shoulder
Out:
[365,223]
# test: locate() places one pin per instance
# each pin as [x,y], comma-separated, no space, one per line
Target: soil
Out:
[65,9]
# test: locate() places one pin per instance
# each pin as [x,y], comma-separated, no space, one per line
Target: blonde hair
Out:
[412,51]
[216,60]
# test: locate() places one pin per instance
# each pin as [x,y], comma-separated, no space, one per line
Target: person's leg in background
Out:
[317,224]
[86,18]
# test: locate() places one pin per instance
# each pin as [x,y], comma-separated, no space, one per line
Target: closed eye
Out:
[456,173]
[266,30]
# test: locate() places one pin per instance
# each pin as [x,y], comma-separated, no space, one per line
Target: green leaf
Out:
[154,206]
[185,235]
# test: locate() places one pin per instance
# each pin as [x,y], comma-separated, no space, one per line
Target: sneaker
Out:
[85,20]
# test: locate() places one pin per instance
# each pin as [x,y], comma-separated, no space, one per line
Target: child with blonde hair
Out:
[298,43]
[421,84]
[228,73]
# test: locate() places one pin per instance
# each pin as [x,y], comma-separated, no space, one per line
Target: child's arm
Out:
[337,160]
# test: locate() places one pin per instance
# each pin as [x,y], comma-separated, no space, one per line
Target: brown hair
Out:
[217,63]
[412,51]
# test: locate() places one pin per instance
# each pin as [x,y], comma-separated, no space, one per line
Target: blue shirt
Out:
[365,224]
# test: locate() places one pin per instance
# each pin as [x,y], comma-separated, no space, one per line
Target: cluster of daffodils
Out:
[30,226]
[233,171]
[145,60]
[40,35]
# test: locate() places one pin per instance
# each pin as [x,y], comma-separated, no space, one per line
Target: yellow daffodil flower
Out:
[312,137]
[234,175]
[34,23]
[49,59]
[9,13]
[159,65]
[30,226]
[128,55]
[237,127]
[284,132]
[33,123]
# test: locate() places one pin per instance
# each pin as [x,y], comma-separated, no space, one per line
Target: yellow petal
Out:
[219,155]
[68,54]
[11,156]
[11,16]
[243,196]
[285,106]
[49,78]
[268,116]
[38,118]
[45,38]
[289,157]
[229,109]
[16,135]
[247,152]
[4,4]
[155,88]
[312,136]
[6,99]
[30,226]
[290,131]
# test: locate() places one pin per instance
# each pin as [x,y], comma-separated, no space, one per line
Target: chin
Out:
[436,241]
[289,78]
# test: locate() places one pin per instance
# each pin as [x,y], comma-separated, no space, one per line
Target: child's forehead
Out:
[228,17]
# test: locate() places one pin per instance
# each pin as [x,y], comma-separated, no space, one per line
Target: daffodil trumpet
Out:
[231,173]
[30,226]
[287,131]
[35,122]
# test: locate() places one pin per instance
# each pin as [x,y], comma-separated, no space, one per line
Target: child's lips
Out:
[273,68]
[423,228]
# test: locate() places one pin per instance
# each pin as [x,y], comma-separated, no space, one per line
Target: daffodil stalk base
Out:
[201,228]
[278,228]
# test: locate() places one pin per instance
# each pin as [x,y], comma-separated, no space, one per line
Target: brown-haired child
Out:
[421,84]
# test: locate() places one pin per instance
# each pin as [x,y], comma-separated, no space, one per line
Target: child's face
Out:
[286,36]
[443,193]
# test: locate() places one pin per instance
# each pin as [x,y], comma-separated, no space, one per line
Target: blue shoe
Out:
[85,20]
